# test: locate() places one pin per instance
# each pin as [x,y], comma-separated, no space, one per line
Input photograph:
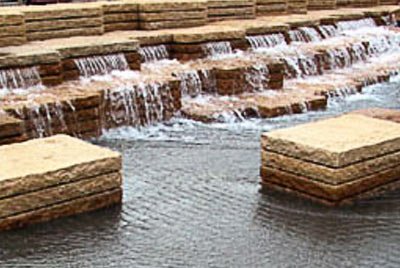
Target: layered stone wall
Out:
[56,177]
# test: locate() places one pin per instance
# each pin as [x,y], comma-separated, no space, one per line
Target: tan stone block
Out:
[34,36]
[384,114]
[121,17]
[171,24]
[68,208]
[59,193]
[119,7]
[207,34]
[336,142]
[172,16]
[179,5]
[333,195]
[10,126]
[38,164]
[328,175]
[53,12]
[47,25]
[123,26]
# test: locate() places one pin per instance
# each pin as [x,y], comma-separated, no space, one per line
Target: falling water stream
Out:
[191,196]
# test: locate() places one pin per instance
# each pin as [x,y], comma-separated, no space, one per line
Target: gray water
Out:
[191,199]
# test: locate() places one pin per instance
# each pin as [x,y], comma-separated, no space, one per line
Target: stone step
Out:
[49,178]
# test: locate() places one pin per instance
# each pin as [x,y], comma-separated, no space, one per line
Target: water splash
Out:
[137,105]
[191,84]
[154,53]
[304,34]
[355,24]
[217,49]
[19,79]
[266,41]
[101,65]
[328,31]
[257,77]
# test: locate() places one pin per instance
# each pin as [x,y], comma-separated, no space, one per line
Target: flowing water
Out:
[19,80]
[101,65]
[154,53]
[191,200]
[191,190]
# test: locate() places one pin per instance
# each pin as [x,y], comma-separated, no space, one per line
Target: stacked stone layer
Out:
[120,16]
[12,29]
[49,178]
[333,161]
[11,129]
[297,6]
[232,9]
[271,7]
[155,15]
[63,21]
[321,4]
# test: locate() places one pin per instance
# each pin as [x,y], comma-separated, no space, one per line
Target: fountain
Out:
[15,79]
[154,53]
[101,65]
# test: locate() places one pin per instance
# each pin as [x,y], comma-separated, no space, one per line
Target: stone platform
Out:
[333,161]
[54,177]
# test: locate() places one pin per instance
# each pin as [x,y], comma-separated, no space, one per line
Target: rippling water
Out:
[191,200]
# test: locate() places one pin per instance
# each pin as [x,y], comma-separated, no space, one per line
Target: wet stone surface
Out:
[191,200]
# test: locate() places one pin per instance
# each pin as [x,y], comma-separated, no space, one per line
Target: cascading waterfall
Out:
[191,84]
[328,31]
[217,49]
[48,120]
[257,77]
[154,53]
[137,105]
[389,20]
[304,34]
[266,41]
[101,65]
[355,24]
[301,65]
[19,78]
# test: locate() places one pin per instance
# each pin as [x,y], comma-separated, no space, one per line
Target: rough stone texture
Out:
[328,191]
[39,163]
[385,114]
[332,176]
[336,142]
[10,126]
[207,34]
[72,207]
[168,5]
[59,193]
[321,4]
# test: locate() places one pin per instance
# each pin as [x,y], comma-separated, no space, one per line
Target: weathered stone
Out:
[120,17]
[176,5]
[33,36]
[53,12]
[172,16]
[336,142]
[47,25]
[72,207]
[333,176]
[328,191]
[123,26]
[10,126]
[58,194]
[384,114]
[172,24]
[38,164]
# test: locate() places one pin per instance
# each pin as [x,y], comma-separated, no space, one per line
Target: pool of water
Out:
[191,199]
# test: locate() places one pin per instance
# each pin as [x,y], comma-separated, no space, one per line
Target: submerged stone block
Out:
[333,161]
[41,175]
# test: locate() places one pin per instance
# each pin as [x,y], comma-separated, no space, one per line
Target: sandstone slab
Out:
[41,163]
[336,142]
